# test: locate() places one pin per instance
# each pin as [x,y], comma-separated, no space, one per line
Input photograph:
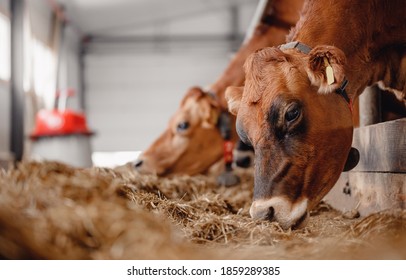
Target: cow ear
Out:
[233,97]
[209,110]
[211,116]
[194,92]
[326,68]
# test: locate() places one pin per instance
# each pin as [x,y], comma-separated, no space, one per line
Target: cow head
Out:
[300,129]
[191,143]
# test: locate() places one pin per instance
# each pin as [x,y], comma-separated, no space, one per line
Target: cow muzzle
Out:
[287,214]
[145,165]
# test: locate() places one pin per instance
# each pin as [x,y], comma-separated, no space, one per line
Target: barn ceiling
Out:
[106,17]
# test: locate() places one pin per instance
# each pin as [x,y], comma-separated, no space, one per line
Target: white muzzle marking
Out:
[285,212]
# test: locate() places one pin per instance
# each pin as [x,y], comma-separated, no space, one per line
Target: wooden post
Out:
[370,106]
[378,182]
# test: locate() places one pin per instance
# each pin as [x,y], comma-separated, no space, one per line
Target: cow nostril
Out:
[270,214]
[138,163]
[299,223]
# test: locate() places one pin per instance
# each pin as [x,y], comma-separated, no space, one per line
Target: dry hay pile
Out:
[53,211]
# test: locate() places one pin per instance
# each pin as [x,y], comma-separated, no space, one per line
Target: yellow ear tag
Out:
[329,72]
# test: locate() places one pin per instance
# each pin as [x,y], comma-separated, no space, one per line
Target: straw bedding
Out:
[53,211]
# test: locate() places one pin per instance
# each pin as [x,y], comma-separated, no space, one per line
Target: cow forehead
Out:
[276,78]
[190,111]
[280,81]
[190,105]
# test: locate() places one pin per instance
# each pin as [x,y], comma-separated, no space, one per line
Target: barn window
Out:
[39,68]
[43,72]
[4,47]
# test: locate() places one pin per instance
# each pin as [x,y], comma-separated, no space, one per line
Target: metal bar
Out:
[16,79]
[82,65]
[262,9]
[57,42]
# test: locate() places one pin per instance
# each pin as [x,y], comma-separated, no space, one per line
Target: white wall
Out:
[130,96]
[133,88]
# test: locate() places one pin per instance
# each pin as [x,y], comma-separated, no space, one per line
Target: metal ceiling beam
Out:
[163,38]
[102,21]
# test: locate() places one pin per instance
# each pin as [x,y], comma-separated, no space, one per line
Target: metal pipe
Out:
[262,9]
[16,79]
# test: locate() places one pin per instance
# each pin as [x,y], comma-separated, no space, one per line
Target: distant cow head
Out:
[301,130]
[191,143]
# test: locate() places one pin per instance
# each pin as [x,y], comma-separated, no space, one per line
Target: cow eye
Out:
[182,126]
[292,114]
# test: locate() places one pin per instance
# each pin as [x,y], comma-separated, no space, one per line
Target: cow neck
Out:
[281,14]
[306,50]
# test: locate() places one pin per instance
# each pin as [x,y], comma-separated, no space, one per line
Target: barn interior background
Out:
[126,64]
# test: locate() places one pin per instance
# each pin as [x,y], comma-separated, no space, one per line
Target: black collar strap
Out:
[341,91]
[224,122]
[224,125]
[306,49]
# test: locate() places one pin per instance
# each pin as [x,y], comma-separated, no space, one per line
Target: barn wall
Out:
[133,86]
[40,20]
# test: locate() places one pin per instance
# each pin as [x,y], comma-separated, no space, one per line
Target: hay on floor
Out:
[53,211]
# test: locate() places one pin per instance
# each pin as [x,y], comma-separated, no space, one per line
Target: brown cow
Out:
[192,143]
[294,108]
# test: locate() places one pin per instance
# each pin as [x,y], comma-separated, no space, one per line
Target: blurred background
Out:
[117,69]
